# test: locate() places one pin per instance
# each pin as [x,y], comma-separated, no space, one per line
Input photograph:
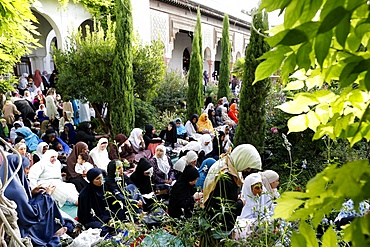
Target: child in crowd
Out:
[83,166]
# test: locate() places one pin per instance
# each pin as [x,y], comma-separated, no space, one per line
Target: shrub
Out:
[144,113]
[171,92]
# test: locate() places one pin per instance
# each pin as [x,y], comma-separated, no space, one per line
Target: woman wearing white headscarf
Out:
[138,145]
[255,206]
[270,181]
[99,154]
[163,173]
[189,159]
[47,173]
[40,150]
[223,181]
[206,144]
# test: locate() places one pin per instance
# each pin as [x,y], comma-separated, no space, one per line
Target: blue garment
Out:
[32,140]
[203,171]
[76,111]
[180,129]
[36,216]
[71,134]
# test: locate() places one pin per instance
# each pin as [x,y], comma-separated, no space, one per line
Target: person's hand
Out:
[169,181]
[127,142]
[38,189]
[50,189]
[140,203]
[198,195]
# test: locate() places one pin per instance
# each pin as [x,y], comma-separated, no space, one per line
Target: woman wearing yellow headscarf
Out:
[205,125]
[222,183]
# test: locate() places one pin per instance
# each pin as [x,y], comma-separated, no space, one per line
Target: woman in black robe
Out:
[93,209]
[181,197]
[169,135]
[123,189]
[38,215]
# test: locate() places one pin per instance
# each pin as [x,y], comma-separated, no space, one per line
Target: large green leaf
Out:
[298,240]
[294,37]
[303,58]
[288,67]
[294,85]
[286,207]
[271,5]
[298,123]
[322,45]
[293,107]
[342,30]
[313,120]
[309,234]
[332,19]
[266,68]
[292,13]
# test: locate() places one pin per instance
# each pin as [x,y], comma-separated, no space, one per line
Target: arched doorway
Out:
[186,60]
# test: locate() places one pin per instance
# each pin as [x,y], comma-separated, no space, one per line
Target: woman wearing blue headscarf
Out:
[181,130]
[203,171]
[32,140]
[38,215]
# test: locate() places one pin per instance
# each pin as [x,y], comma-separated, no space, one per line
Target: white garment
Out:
[80,168]
[162,162]
[180,164]
[51,108]
[40,148]
[136,142]
[84,111]
[45,173]
[206,148]
[191,131]
[100,157]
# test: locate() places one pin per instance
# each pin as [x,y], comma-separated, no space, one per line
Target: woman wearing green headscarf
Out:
[222,187]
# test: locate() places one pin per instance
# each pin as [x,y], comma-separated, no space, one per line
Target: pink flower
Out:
[274,130]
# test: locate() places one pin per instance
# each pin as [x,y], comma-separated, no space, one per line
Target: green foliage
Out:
[123,111]
[100,10]
[16,32]
[252,123]
[148,69]
[238,68]
[324,43]
[161,122]
[212,90]
[145,113]
[78,63]
[171,92]
[195,79]
[223,84]
[6,84]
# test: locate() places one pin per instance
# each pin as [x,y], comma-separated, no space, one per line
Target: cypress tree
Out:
[252,122]
[123,113]
[224,75]
[195,79]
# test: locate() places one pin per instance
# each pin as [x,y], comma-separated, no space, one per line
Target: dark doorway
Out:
[24,66]
[186,60]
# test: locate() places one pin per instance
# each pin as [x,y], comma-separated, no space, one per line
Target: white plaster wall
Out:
[141,19]
[182,41]
[63,19]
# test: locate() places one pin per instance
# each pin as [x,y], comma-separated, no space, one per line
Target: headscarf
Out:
[268,177]
[194,124]
[207,101]
[31,139]
[162,162]
[204,124]
[148,130]
[37,78]
[253,203]
[203,171]
[71,133]
[191,156]
[100,157]
[141,181]
[190,174]
[210,106]
[93,173]
[206,138]
[40,211]
[180,129]
[72,158]
[134,138]
[233,108]
[120,139]
[40,148]
[242,157]
[225,100]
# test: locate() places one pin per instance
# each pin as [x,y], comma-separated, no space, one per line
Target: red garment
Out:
[233,116]
[37,78]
